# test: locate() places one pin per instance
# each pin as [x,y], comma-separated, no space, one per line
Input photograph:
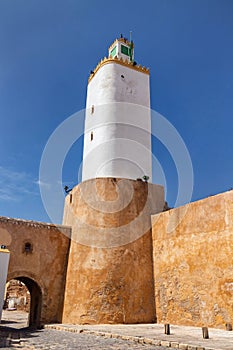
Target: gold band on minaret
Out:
[126,63]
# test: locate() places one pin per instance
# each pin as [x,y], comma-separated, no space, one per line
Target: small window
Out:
[92,136]
[92,109]
[70,198]
[122,76]
[125,50]
[113,52]
[27,248]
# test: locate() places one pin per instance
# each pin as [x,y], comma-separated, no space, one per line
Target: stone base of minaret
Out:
[110,270]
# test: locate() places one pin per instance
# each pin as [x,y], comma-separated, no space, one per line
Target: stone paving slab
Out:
[186,338]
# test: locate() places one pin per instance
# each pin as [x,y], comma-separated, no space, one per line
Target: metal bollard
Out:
[167,329]
[205,332]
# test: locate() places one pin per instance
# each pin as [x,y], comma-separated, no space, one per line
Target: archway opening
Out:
[17,302]
[23,302]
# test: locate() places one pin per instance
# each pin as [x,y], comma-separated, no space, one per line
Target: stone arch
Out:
[36,293]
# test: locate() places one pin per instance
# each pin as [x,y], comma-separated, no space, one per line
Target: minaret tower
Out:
[110,269]
[117,141]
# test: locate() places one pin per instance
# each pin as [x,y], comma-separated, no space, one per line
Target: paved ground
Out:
[14,319]
[52,339]
[107,337]
[15,334]
[186,338]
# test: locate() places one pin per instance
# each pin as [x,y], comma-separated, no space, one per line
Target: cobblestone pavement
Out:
[13,335]
[137,336]
[47,339]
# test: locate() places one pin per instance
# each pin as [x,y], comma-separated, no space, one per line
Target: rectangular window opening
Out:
[113,52]
[92,136]
[125,50]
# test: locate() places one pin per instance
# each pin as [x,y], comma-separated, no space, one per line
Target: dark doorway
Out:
[34,308]
[36,301]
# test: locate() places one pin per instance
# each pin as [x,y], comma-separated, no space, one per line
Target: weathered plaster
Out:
[193,262]
[46,264]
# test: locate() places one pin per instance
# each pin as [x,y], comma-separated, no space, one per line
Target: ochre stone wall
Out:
[193,262]
[110,285]
[45,265]
[110,273]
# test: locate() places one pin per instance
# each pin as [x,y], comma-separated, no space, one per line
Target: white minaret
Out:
[117,139]
[111,218]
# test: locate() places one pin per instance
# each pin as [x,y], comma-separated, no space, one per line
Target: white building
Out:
[117,139]
[4,261]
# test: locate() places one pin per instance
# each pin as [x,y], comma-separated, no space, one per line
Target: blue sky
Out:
[47,49]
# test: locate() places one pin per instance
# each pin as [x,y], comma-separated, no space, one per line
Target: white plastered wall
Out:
[117,141]
[4,261]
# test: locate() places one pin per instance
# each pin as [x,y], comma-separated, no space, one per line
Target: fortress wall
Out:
[45,265]
[110,274]
[193,262]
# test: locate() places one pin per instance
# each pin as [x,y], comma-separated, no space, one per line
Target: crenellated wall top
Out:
[121,61]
